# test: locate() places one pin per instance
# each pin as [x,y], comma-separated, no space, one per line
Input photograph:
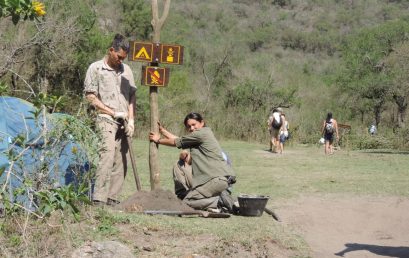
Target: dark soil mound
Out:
[162,200]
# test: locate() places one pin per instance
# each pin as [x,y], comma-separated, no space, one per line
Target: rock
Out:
[105,249]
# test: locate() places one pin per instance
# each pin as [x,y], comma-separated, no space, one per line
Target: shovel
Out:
[132,156]
[135,172]
[204,214]
[272,213]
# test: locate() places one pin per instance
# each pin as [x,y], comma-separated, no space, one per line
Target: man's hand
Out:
[130,128]
[185,156]
[120,115]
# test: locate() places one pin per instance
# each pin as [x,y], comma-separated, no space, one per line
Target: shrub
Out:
[363,142]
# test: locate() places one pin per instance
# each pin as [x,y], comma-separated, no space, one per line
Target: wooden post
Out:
[157,24]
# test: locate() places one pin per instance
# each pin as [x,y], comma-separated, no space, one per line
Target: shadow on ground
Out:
[390,251]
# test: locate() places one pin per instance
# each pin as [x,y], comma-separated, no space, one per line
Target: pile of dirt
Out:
[163,200]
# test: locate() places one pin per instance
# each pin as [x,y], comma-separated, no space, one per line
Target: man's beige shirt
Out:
[113,88]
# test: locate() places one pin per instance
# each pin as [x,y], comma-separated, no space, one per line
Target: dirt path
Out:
[361,227]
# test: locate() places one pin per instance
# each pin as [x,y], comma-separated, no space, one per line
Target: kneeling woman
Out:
[211,175]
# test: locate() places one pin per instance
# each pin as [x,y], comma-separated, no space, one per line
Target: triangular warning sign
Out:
[142,54]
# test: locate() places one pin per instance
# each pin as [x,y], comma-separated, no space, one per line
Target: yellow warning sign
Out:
[142,54]
[141,51]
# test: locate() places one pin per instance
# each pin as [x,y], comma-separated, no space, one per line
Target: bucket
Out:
[252,205]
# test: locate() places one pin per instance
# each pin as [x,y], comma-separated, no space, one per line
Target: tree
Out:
[136,19]
[363,67]
[51,55]
[397,66]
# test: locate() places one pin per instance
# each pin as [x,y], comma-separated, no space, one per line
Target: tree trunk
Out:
[377,113]
[402,107]
[153,95]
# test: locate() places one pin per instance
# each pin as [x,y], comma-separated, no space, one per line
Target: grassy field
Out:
[300,171]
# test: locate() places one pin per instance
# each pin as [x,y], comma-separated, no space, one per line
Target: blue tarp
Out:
[58,167]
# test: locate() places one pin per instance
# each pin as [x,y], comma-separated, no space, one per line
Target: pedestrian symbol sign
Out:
[155,76]
[141,51]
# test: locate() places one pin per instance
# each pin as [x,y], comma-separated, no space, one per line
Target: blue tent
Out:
[27,160]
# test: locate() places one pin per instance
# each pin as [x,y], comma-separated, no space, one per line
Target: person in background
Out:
[110,88]
[211,176]
[329,130]
[275,123]
[283,133]
[372,129]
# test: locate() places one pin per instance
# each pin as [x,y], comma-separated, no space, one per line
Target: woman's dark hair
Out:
[193,115]
[120,42]
[329,117]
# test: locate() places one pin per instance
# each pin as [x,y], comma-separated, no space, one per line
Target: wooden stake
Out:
[157,24]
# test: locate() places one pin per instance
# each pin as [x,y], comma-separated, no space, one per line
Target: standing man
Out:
[110,88]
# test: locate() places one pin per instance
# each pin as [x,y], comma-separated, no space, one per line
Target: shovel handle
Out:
[272,213]
[200,213]
[135,172]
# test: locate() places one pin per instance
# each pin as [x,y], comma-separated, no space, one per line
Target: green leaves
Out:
[2,169]
[136,18]
[364,68]
[3,86]
[65,198]
[52,102]
[17,9]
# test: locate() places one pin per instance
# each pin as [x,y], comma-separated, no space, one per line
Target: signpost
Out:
[155,76]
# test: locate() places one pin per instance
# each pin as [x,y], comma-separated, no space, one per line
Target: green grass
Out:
[300,170]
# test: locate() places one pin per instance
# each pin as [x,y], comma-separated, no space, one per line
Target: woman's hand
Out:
[161,128]
[154,137]
[168,137]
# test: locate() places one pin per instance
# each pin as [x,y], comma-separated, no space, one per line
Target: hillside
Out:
[241,59]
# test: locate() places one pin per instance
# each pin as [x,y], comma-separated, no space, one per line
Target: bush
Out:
[401,139]
[362,142]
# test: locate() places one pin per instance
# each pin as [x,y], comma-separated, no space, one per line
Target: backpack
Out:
[275,124]
[329,127]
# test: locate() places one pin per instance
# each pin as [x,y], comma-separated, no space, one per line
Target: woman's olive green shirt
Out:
[207,158]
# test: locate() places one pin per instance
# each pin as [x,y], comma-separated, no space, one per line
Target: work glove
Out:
[120,115]
[130,128]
